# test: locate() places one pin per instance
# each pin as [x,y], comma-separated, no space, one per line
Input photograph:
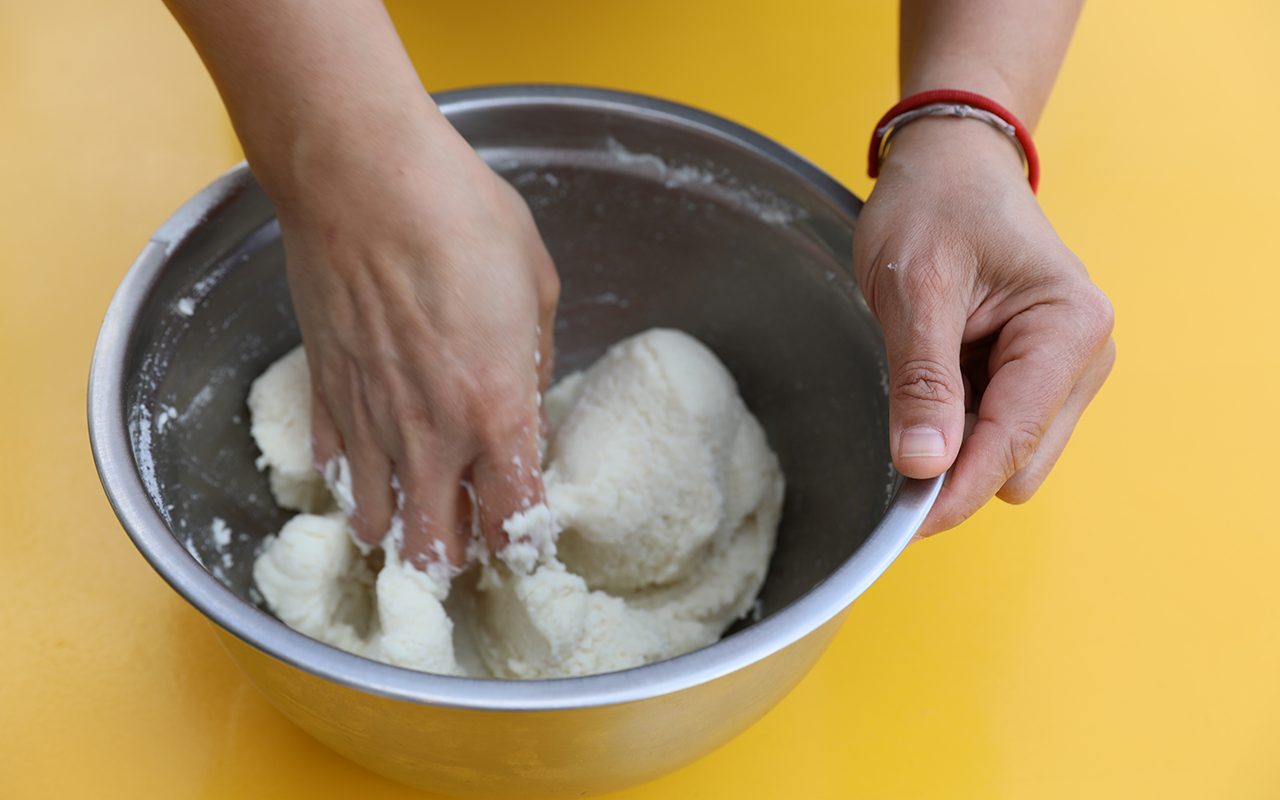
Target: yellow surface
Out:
[1118,637]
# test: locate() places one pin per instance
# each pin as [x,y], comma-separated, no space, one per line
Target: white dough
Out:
[656,461]
[317,582]
[663,501]
[314,580]
[280,411]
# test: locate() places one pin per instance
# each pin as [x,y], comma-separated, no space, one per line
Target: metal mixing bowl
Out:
[656,214]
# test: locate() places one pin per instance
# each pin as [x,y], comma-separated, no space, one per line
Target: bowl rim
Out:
[119,473]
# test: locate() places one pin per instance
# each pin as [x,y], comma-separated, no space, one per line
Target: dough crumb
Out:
[220,532]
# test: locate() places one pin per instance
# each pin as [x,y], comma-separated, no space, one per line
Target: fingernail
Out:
[921,442]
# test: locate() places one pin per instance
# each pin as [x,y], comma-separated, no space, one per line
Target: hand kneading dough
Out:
[663,500]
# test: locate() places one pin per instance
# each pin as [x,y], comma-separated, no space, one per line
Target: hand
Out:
[984,310]
[426,300]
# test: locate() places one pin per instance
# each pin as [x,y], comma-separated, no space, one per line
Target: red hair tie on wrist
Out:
[954,103]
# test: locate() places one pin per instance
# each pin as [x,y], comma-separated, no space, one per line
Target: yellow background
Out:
[1118,637]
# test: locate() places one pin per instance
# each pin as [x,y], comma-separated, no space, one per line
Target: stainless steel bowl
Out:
[656,214]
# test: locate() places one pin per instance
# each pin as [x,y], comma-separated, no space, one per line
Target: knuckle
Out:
[929,275]
[1108,357]
[1097,313]
[925,283]
[925,381]
[416,418]
[935,260]
[368,530]
[548,290]
[1017,491]
[921,281]
[494,395]
[502,427]
[502,416]
[1023,441]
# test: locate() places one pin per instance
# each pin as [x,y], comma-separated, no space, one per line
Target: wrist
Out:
[346,150]
[940,146]
[973,75]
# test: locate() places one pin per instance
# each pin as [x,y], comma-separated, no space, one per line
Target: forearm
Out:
[303,81]
[1009,50]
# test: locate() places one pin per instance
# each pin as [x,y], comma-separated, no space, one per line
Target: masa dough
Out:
[663,500]
[280,410]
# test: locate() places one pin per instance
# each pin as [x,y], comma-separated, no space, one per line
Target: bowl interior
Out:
[653,220]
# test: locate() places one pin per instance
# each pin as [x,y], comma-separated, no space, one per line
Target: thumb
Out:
[923,332]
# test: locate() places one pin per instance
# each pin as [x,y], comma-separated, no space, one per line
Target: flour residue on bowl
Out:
[140,427]
[533,170]
[765,205]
